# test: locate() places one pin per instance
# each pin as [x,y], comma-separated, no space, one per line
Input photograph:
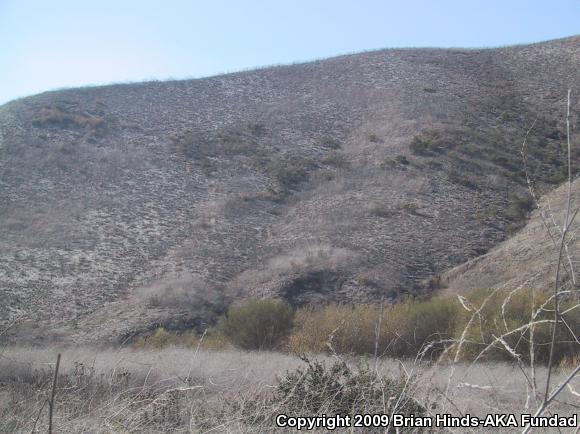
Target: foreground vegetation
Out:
[186,390]
[488,325]
[443,355]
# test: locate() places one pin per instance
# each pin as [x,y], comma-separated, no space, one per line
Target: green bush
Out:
[428,328]
[257,324]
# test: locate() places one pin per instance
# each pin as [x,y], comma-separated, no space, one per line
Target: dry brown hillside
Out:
[347,179]
[529,258]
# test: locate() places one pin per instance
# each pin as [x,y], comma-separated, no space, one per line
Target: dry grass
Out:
[130,391]
[147,161]
[180,390]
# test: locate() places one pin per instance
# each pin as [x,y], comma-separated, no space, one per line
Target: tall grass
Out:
[177,390]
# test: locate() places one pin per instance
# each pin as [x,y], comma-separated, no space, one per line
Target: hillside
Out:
[348,179]
[529,258]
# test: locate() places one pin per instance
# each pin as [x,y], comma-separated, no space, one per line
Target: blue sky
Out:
[59,43]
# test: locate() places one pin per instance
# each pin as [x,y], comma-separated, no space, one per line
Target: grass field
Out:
[183,390]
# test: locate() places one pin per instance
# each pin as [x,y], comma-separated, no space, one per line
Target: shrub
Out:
[498,316]
[257,324]
[193,144]
[347,329]
[428,327]
[161,338]
[413,326]
[185,290]
[58,117]
[374,138]
[420,145]
[456,177]
[231,141]
[338,389]
[379,209]
[436,165]
[401,159]
[558,176]
[507,162]
[257,128]
[329,142]
[519,207]
[291,171]
[406,328]
[568,363]
[336,159]
[429,142]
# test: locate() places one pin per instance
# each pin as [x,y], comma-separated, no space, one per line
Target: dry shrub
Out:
[428,327]
[57,116]
[519,207]
[569,363]
[501,312]
[183,290]
[414,325]
[348,329]
[339,389]
[379,209]
[336,159]
[405,328]
[162,338]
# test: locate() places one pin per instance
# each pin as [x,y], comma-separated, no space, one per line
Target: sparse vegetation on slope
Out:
[109,191]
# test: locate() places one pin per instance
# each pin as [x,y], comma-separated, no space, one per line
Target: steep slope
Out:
[529,258]
[346,179]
